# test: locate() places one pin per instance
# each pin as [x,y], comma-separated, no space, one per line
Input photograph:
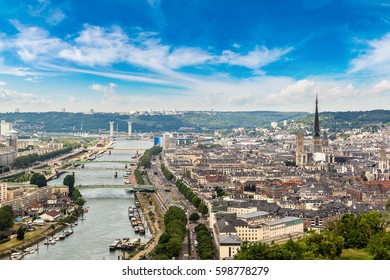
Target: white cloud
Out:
[255,59]
[107,90]
[376,58]
[32,79]
[32,43]
[298,91]
[2,83]
[55,16]
[10,97]
[382,87]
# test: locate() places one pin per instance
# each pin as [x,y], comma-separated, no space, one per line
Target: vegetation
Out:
[146,158]
[355,233]
[77,198]
[6,217]
[190,196]
[138,177]
[20,233]
[69,181]
[194,217]
[168,174]
[170,242]
[26,161]
[38,179]
[198,121]
[205,243]
[338,121]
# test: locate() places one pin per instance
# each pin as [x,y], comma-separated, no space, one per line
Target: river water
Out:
[107,218]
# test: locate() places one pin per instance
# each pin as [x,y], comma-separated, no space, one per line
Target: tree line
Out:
[170,242]
[205,243]
[145,160]
[193,198]
[28,160]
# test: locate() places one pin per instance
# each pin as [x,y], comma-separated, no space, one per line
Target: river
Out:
[107,218]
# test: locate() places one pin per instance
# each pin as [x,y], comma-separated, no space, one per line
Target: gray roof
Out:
[253,215]
[224,226]
[283,220]
[229,239]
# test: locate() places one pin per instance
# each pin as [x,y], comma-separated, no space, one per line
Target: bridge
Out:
[140,151]
[100,161]
[127,188]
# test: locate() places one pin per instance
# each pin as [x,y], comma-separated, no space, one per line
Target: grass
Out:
[356,254]
[28,236]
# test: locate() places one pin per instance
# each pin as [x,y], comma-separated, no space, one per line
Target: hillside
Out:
[337,121]
[194,121]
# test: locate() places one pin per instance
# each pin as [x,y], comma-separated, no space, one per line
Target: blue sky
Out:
[125,55]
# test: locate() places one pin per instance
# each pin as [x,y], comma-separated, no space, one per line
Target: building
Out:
[111,129]
[129,128]
[3,192]
[320,155]
[7,156]
[5,127]
[229,244]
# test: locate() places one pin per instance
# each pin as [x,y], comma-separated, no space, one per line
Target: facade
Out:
[320,155]
[7,156]
[229,244]
[3,192]
[5,128]
[22,200]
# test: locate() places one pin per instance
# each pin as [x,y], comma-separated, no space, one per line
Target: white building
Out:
[5,128]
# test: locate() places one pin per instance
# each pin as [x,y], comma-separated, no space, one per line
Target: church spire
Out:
[316,121]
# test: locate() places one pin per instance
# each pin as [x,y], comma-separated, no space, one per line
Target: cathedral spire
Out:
[316,121]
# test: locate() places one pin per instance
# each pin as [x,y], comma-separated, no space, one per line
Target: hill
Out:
[338,121]
[194,121]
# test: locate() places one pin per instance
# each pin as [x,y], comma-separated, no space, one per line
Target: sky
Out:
[230,55]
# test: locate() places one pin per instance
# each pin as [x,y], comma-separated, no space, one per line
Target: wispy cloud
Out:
[375,59]
[11,97]
[2,83]
[255,59]
[101,46]
[52,16]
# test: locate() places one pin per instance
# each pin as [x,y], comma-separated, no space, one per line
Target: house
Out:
[51,216]
[229,244]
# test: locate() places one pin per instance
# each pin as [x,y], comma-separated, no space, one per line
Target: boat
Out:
[114,245]
[83,218]
[136,229]
[141,229]
[68,232]
[62,236]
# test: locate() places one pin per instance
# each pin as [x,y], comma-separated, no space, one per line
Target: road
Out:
[171,196]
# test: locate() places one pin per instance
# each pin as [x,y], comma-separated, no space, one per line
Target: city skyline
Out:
[194,55]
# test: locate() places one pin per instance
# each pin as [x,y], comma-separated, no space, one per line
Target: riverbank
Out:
[150,209]
[25,243]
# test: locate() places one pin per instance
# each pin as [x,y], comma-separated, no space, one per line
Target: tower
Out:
[129,128]
[111,129]
[383,162]
[317,145]
[13,139]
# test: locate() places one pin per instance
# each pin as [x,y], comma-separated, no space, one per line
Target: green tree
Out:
[39,180]
[203,209]
[388,204]
[194,217]
[69,181]
[379,246]
[6,217]
[20,233]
